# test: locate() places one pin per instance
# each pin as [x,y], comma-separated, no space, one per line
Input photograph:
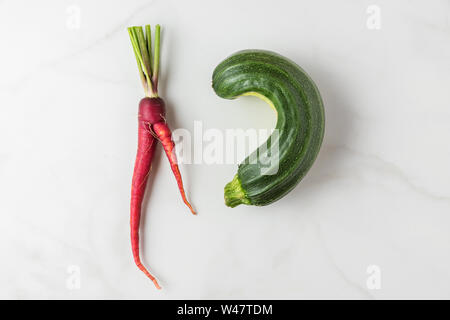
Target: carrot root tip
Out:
[156,284]
[190,207]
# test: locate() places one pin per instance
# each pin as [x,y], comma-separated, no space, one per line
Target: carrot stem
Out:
[156,56]
[148,40]
[140,45]
[138,60]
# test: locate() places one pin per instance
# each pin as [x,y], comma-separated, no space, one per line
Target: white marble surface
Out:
[379,193]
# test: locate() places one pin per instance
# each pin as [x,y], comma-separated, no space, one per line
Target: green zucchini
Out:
[300,124]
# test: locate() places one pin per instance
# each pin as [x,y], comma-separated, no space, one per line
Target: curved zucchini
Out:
[300,124]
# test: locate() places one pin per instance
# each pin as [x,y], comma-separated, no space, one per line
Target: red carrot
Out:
[152,128]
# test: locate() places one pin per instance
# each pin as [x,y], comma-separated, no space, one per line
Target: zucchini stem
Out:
[235,194]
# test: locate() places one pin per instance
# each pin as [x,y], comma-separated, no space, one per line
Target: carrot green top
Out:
[142,46]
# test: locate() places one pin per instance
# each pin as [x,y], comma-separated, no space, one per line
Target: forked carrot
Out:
[151,121]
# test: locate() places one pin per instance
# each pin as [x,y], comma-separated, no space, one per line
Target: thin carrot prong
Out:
[164,134]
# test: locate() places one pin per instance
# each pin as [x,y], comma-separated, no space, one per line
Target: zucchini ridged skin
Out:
[300,123]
